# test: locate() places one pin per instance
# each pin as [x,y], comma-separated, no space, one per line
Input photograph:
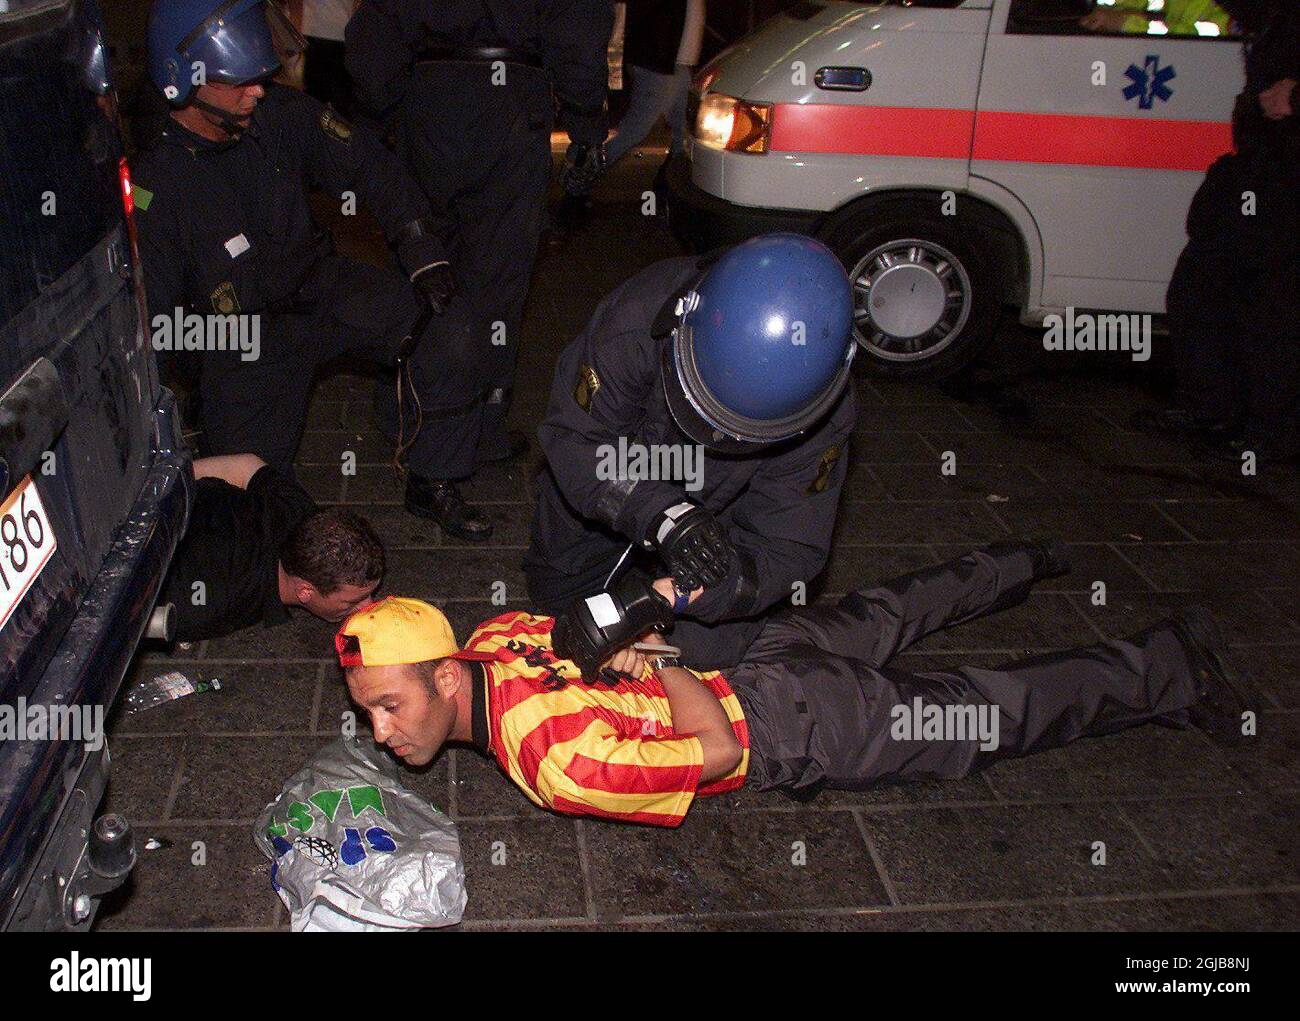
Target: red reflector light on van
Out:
[124,176]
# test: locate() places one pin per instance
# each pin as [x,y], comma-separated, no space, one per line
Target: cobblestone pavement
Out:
[1195,837]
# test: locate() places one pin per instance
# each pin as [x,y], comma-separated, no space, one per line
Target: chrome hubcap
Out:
[911,299]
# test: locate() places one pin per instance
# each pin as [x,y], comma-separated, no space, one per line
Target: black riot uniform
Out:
[466,88]
[1233,304]
[777,506]
[225,228]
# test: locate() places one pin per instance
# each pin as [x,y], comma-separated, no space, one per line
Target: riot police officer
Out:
[466,88]
[734,366]
[228,240]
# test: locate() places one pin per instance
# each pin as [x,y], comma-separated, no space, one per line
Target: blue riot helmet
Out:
[227,41]
[762,344]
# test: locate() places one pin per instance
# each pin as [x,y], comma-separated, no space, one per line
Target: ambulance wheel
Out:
[923,303]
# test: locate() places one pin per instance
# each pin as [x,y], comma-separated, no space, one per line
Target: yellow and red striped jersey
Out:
[592,749]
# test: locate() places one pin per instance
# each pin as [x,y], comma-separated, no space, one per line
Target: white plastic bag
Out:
[355,850]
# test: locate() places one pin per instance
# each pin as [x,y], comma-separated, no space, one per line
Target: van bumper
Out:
[50,791]
[702,221]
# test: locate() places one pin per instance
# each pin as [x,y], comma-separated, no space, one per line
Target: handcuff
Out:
[661,657]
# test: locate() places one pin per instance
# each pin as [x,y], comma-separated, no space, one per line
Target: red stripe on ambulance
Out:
[1011,137]
[872,130]
[1100,141]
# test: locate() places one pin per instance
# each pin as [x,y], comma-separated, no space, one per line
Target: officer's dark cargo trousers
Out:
[1234,308]
[258,406]
[819,695]
[482,153]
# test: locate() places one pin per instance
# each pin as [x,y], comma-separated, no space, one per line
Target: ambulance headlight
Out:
[724,122]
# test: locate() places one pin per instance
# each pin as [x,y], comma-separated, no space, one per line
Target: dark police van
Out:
[95,487]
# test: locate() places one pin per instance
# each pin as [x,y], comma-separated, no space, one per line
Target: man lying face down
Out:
[814,702]
[257,544]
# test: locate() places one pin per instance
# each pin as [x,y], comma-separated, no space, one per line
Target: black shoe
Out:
[440,500]
[1223,690]
[1051,556]
[516,446]
[1179,423]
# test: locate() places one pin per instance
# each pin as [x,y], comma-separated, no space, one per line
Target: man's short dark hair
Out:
[331,548]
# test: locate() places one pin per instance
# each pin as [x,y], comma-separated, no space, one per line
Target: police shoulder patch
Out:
[586,387]
[335,126]
[825,465]
[224,299]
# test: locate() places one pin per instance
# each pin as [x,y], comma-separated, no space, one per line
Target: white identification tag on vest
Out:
[237,246]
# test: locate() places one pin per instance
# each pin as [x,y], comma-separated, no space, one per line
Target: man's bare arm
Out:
[237,469]
[696,710]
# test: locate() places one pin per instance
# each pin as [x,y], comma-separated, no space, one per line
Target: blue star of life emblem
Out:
[1149,82]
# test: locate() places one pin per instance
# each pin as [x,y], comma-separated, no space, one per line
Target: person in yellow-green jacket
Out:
[1179,17]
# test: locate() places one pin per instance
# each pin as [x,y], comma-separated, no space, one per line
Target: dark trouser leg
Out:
[258,407]
[817,719]
[1270,310]
[1202,329]
[873,625]
[495,193]
[1202,300]
[1271,359]
[500,227]
[371,311]
[447,373]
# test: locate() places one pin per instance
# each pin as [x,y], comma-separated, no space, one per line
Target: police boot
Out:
[1224,693]
[440,500]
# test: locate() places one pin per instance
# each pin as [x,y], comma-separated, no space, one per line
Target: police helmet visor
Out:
[706,420]
[233,45]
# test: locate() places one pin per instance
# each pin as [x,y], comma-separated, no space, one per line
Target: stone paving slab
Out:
[1196,837]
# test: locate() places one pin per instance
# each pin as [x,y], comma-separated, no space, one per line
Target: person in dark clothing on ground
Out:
[257,544]
[814,703]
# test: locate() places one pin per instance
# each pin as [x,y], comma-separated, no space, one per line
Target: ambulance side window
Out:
[1201,19]
[1048,17]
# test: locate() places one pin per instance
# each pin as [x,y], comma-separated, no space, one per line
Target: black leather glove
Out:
[593,629]
[582,165]
[437,284]
[693,545]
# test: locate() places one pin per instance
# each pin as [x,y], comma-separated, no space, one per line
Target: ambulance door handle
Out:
[843,79]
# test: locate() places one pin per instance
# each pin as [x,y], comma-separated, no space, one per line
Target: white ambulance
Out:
[960,156]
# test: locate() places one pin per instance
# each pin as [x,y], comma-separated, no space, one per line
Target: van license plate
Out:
[26,544]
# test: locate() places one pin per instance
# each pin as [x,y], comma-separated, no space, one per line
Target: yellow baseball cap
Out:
[395,631]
